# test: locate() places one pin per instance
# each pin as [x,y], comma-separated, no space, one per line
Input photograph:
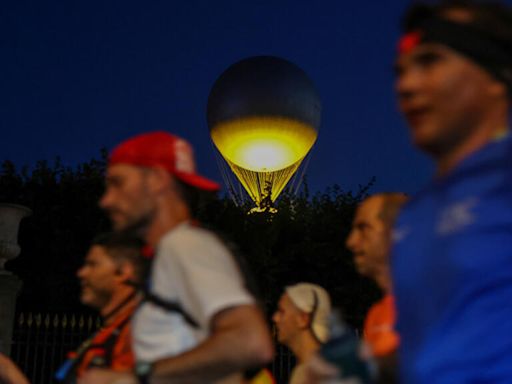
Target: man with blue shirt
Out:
[452,258]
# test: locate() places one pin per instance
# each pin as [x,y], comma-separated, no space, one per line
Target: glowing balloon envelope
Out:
[263,115]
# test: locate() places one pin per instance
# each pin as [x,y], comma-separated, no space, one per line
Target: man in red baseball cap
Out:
[218,330]
[136,168]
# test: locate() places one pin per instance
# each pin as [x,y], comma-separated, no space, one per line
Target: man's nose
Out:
[351,241]
[407,84]
[104,201]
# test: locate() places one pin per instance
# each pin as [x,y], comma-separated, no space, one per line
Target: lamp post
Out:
[10,285]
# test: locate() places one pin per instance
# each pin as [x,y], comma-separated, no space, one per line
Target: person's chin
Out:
[423,138]
[427,146]
[85,299]
[136,227]
[117,224]
[360,266]
[88,297]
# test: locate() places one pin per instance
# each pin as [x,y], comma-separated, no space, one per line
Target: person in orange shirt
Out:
[370,242]
[113,267]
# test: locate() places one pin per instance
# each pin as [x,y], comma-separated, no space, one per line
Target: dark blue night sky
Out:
[76,76]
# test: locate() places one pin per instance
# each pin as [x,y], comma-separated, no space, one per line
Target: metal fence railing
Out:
[41,343]
[283,363]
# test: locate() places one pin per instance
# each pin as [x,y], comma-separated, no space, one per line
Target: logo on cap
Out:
[184,160]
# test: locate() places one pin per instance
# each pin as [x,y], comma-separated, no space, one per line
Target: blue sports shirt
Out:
[452,273]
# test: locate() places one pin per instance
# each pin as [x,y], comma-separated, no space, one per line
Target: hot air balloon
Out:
[263,115]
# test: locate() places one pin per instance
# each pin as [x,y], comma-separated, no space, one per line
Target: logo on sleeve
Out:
[399,234]
[457,216]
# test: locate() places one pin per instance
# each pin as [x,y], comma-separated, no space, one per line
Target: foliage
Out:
[55,237]
[302,241]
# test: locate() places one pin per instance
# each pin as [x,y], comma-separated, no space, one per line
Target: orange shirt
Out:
[122,357]
[379,327]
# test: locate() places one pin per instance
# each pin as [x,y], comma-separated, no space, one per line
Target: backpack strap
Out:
[168,305]
[104,348]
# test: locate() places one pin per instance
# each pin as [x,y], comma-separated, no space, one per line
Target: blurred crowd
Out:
[177,306]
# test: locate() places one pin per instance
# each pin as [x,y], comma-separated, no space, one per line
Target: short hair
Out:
[392,202]
[485,36]
[492,17]
[193,197]
[124,247]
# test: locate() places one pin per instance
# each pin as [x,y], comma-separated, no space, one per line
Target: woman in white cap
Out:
[302,323]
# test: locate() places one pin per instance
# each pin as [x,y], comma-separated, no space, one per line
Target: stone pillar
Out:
[10,285]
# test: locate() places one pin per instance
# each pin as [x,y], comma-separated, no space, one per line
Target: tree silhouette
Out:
[302,241]
[56,236]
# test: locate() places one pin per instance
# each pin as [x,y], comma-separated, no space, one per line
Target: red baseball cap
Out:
[165,150]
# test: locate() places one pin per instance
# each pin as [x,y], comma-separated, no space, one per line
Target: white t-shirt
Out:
[194,268]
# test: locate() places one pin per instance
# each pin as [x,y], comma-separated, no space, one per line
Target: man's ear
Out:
[304,320]
[125,272]
[158,179]
[498,89]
